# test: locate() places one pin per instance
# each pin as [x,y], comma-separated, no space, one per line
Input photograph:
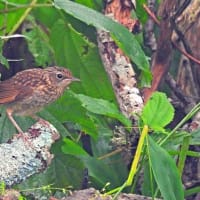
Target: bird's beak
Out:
[75,79]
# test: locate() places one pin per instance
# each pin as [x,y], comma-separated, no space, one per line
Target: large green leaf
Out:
[102,107]
[165,172]
[158,112]
[102,144]
[81,56]
[44,114]
[125,40]
[68,108]
[72,148]
[101,172]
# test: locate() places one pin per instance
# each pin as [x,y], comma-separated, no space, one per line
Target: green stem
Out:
[185,119]
[137,156]
[183,153]
[24,7]
[134,165]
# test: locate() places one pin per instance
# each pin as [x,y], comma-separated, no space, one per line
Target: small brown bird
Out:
[30,90]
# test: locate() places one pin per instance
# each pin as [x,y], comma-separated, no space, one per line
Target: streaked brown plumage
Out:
[30,90]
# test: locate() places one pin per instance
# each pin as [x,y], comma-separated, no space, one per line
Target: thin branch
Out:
[186,54]
[151,14]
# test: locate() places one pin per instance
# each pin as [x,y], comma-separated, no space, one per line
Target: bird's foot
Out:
[25,138]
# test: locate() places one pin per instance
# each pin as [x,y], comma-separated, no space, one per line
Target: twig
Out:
[186,54]
[151,14]
[186,101]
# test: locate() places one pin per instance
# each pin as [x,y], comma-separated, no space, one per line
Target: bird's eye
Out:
[59,76]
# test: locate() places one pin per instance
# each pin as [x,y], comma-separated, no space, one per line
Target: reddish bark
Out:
[162,58]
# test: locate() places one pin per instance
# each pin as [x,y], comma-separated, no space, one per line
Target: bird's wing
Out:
[10,93]
[19,86]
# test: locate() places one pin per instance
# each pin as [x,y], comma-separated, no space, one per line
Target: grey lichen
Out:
[28,154]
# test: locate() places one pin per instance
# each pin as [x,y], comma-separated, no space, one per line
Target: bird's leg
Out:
[21,133]
[9,114]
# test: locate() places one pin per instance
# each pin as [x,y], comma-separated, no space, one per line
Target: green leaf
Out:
[7,130]
[88,3]
[195,140]
[149,184]
[102,107]
[9,20]
[44,114]
[47,16]
[165,172]
[101,172]
[4,61]
[140,12]
[38,43]
[102,145]
[6,127]
[72,148]
[158,112]
[68,108]
[124,39]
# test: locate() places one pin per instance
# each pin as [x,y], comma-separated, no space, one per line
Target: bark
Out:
[163,55]
[27,154]
[117,65]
